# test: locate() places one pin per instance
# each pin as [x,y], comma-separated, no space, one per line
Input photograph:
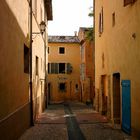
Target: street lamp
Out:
[42,27]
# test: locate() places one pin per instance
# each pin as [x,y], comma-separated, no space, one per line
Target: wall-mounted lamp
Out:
[42,27]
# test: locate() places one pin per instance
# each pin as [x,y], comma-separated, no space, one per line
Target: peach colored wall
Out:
[14,83]
[120,50]
[72,55]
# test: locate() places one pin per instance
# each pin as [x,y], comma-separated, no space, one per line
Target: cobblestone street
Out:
[53,125]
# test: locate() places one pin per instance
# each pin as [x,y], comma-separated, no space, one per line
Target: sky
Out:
[69,15]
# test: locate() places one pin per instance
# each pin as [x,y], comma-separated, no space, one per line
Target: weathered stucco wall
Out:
[14,92]
[118,50]
[72,55]
[14,82]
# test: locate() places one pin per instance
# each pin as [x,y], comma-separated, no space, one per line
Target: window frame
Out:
[60,52]
[65,87]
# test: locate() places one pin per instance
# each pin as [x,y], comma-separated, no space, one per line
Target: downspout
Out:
[45,49]
[30,65]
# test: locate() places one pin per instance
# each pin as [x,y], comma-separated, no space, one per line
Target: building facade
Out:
[117,47]
[87,65]
[63,69]
[15,97]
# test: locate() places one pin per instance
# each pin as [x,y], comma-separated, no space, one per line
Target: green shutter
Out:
[69,68]
[52,68]
[56,68]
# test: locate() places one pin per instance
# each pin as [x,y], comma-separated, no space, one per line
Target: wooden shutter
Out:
[52,68]
[69,68]
[56,68]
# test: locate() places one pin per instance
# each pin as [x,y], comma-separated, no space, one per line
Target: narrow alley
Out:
[72,121]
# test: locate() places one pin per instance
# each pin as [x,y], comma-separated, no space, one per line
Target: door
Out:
[49,92]
[126,106]
[116,98]
[104,94]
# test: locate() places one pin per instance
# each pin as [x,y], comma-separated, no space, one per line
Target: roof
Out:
[63,39]
[85,28]
[48,8]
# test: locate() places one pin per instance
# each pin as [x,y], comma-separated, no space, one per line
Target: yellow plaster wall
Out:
[14,83]
[121,50]
[72,55]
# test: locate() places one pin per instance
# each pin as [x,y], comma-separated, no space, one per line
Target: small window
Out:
[76,86]
[127,2]
[26,59]
[37,65]
[49,68]
[48,50]
[62,87]
[101,22]
[113,19]
[69,68]
[61,67]
[61,50]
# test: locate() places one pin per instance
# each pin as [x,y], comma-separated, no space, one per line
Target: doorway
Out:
[104,94]
[116,98]
[49,93]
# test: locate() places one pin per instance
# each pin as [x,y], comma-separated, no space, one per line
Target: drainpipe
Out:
[45,49]
[31,86]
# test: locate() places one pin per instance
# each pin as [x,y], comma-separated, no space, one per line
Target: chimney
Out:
[75,33]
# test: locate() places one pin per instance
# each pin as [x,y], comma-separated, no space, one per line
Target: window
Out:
[101,22]
[56,68]
[69,68]
[26,59]
[37,65]
[48,50]
[61,67]
[61,50]
[76,86]
[49,68]
[126,2]
[62,87]
[113,19]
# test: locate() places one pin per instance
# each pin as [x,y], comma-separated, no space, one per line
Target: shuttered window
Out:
[58,68]
[69,68]
[53,68]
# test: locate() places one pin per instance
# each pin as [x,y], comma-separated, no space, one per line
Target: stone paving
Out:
[52,125]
